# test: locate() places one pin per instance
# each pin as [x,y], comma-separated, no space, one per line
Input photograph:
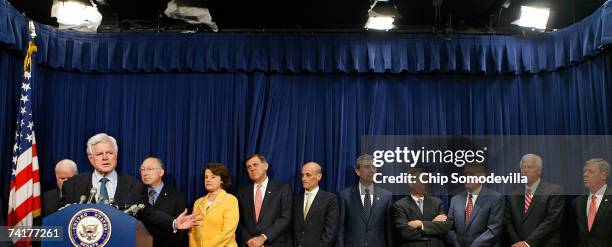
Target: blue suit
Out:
[484,228]
[355,229]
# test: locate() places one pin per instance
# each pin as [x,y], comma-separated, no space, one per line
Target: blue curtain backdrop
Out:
[194,99]
[189,119]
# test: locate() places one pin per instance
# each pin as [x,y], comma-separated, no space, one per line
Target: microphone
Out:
[133,210]
[83,199]
[92,194]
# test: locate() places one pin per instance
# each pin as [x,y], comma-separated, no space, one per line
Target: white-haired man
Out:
[102,151]
[64,169]
[535,210]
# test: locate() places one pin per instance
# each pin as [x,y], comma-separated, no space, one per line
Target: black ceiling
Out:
[323,15]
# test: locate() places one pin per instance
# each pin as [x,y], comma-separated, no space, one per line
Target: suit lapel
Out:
[214,204]
[581,214]
[161,198]
[375,203]
[356,197]
[537,197]
[480,200]
[314,206]
[603,206]
[121,190]
[462,201]
[300,209]
[270,190]
[251,202]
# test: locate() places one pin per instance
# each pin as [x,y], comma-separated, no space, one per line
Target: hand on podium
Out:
[184,221]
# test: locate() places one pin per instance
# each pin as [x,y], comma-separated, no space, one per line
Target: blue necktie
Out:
[103,191]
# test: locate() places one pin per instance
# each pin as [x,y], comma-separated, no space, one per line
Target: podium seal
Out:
[89,228]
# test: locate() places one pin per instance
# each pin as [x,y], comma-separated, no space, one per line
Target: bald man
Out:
[316,212]
[163,198]
[64,169]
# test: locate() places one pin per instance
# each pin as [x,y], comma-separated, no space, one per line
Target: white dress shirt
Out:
[599,195]
[111,184]
[362,193]
[474,196]
[313,195]
[264,185]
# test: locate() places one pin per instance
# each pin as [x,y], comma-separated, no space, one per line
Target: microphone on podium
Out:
[92,194]
[82,199]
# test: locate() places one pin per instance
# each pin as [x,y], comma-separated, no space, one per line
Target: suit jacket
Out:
[172,203]
[50,202]
[274,218]
[433,234]
[321,224]
[484,227]
[220,222]
[129,191]
[601,231]
[355,229]
[541,225]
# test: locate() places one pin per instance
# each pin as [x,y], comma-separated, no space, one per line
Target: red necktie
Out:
[592,211]
[258,202]
[527,200]
[468,209]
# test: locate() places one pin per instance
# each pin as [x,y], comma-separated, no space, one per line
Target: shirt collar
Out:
[112,177]
[533,187]
[314,191]
[415,198]
[158,190]
[476,192]
[362,189]
[601,190]
[264,184]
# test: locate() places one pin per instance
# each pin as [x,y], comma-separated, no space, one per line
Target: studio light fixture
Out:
[533,17]
[381,15]
[191,11]
[77,15]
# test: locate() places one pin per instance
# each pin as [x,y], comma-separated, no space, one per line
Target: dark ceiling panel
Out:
[349,15]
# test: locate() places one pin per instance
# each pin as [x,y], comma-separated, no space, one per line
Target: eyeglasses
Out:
[148,169]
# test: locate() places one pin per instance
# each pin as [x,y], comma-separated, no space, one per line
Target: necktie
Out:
[468,209]
[258,202]
[420,204]
[528,197]
[592,211]
[367,204]
[152,194]
[308,202]
[103,191]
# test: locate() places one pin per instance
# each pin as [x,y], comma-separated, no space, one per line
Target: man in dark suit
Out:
[265,207]
[419,219]
[593,211]
[164,199]
[122,190]
[475,217]
[364,210]
[315,213]
[534,211]
[64,169]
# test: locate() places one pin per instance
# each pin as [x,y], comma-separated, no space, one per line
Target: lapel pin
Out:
[378,198]
[606,199]
[165,194]
[269,192]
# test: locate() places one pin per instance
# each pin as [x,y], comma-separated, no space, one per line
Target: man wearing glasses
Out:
[162,198]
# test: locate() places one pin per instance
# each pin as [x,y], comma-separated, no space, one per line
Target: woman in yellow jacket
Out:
[219,210]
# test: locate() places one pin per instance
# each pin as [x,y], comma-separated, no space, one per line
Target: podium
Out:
[97,225]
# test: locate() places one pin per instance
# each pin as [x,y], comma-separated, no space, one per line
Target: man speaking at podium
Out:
[122,190]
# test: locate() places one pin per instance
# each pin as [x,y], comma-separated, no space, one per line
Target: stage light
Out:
[533,17]
[81,15]
[381,15]
[191,11]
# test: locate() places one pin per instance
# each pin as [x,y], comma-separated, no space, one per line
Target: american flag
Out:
[24,197]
